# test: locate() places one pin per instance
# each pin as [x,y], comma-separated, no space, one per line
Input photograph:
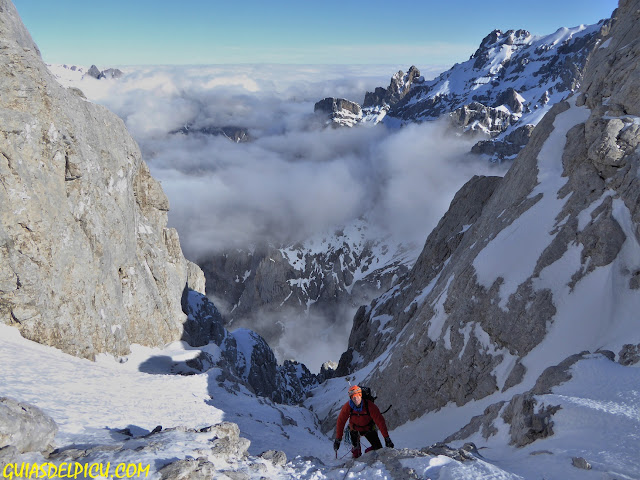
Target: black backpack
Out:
[367,395]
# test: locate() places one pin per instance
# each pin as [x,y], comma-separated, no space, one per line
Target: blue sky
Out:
[137,32]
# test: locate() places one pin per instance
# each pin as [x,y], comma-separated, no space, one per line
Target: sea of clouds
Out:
[296,177]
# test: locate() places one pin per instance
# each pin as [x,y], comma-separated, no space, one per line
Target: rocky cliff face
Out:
[86,262]
[329,276]
[539,266]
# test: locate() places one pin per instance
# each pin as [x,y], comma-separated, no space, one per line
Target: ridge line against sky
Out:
[145,32]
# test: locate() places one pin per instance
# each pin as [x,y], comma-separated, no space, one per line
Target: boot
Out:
[356,452]
[368,449]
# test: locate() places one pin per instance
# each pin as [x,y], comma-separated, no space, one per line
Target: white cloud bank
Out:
[296,177]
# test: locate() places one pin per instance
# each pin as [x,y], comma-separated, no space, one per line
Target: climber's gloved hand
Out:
[387,442]
[336,444]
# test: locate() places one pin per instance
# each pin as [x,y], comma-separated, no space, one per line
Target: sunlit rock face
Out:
[86,262]
[510,82]
[542,267]
[339,111]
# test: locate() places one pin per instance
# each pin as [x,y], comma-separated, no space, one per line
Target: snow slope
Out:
[92,402]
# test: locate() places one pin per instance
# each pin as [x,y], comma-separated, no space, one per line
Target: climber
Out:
[363,416]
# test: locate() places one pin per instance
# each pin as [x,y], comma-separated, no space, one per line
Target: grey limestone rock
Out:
[227,442]
[480,423]
[287,383]
[467,453]
[398,87]
[293,382]
[478,117]
[556,375]
[508,147]
[327,371]
[526,424]
[440,245]
[25,428]
[8,455]
[275,456]
[261,368]
[195,278]
[111,73]
[339,111]
[581,463]
[188,469]
[98,74]
[87,263]
[510,98]
[559,67]
[15,31]
[94,72]
[251,285]
[204,322]
[629,354]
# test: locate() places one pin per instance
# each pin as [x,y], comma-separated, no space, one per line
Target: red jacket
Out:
[361,421]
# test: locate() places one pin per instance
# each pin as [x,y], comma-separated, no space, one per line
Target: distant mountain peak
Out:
[510,81]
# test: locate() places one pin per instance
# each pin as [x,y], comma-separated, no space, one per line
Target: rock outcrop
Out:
[527,416]
[87,263]
[477,117]
[506,148]
[369,324]
[520,277]
[235,134]
[339,111]
[218,451]
[243,357]
[399,86]
[25,427]
[98,74]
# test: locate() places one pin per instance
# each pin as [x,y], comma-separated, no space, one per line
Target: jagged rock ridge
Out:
[513,72]
[497,295]
[509,83]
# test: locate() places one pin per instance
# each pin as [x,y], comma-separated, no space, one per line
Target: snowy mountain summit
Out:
[505,87]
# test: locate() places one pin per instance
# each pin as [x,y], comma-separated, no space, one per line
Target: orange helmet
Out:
[355,390]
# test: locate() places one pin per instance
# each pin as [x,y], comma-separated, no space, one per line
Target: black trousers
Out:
[371,435]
